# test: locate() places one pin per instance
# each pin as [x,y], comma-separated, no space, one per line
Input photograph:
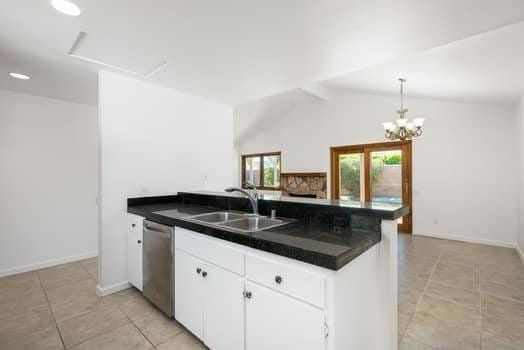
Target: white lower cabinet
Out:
[224,309]
[209,302]
[189,293]
[134,250]
[277,321]
[271,307]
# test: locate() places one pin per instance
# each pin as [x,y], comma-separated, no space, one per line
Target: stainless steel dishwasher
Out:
[158,248]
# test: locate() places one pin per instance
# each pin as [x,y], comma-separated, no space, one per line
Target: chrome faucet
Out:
[253,198]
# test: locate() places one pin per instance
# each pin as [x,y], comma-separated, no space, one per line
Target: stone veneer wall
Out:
[304,183]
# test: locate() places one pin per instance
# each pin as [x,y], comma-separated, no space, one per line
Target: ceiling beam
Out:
[316,90]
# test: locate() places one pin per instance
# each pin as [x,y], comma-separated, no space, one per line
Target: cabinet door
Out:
[224,309]
[134,251]
[189,302]
[277,321]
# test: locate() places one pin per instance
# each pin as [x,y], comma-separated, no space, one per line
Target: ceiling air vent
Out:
[81,49]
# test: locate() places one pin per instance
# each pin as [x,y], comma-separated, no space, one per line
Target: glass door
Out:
[378,172]
[386,176]
[351,176]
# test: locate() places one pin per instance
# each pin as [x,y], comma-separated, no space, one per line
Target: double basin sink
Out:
[238,221]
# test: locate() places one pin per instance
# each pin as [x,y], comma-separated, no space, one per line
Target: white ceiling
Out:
[229,50]
[486,68]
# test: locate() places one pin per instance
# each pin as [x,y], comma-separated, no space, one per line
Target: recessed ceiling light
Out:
[66,7]
[20,76]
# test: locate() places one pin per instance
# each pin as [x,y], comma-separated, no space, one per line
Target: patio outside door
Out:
[379,172]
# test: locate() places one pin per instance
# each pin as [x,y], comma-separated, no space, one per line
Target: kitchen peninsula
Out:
[323,277]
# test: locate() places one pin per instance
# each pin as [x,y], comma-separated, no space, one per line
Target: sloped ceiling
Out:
[230,51]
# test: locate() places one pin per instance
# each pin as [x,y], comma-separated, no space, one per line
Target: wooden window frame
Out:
[261,156]
[366,149]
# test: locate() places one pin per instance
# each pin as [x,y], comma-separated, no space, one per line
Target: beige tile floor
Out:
[452,295]
[459,296]
[57,308]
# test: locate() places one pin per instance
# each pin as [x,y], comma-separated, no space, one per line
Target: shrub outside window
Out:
[262,170]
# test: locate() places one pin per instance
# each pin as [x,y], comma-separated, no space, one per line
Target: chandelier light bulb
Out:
[418,122]
[388,126]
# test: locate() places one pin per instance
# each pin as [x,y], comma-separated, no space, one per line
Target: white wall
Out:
[465,165]
[520,129]
[48,182]
[154,141]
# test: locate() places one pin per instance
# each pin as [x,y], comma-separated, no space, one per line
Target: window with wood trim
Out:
[262,170]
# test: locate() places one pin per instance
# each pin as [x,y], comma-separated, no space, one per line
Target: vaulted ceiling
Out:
[236,50]
[485,68]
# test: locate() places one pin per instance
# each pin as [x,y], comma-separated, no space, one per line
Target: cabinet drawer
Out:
[288,279]
[210,249]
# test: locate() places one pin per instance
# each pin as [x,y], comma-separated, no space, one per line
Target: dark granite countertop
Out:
[388,211]
[309,240]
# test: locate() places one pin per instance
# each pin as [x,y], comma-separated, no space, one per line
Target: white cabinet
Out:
[189,292]
[224,309]
[276,305]
[277,321]
[288,279]
[134,250]
[209,302]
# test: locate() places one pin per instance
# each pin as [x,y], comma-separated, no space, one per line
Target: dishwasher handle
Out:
[153,226]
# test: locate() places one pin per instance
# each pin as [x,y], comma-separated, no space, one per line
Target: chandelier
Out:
[403,128]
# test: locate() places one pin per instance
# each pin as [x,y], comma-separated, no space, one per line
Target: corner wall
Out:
[465,166]
[520,129]
[48,182]
[153,141]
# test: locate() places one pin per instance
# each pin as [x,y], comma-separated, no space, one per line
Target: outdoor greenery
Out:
[350,171]
[393,159]
[271,171]
[269,178]
[271,174]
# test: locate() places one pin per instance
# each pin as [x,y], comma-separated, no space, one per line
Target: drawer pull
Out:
[133,225]
[247,294]
[278,279]
[198,270]
[204,274]
[139,242]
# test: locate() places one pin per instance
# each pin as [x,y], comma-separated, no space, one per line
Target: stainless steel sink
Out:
[253,223]
[239,222]
[219,216]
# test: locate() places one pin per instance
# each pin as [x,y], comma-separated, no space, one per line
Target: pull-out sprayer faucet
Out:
[253,198]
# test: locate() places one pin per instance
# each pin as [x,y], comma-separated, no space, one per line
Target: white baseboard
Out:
[521,253]
[117,287]
[468,239]
[47,263]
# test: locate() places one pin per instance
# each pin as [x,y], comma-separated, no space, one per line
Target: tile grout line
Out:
[136,327]
[85,313]
[117,306]
[407,325]
[503,297]
[50,308]
[422,294]
[69,283]
[98,335]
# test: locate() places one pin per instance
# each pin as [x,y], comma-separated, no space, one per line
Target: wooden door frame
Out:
[366,149]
